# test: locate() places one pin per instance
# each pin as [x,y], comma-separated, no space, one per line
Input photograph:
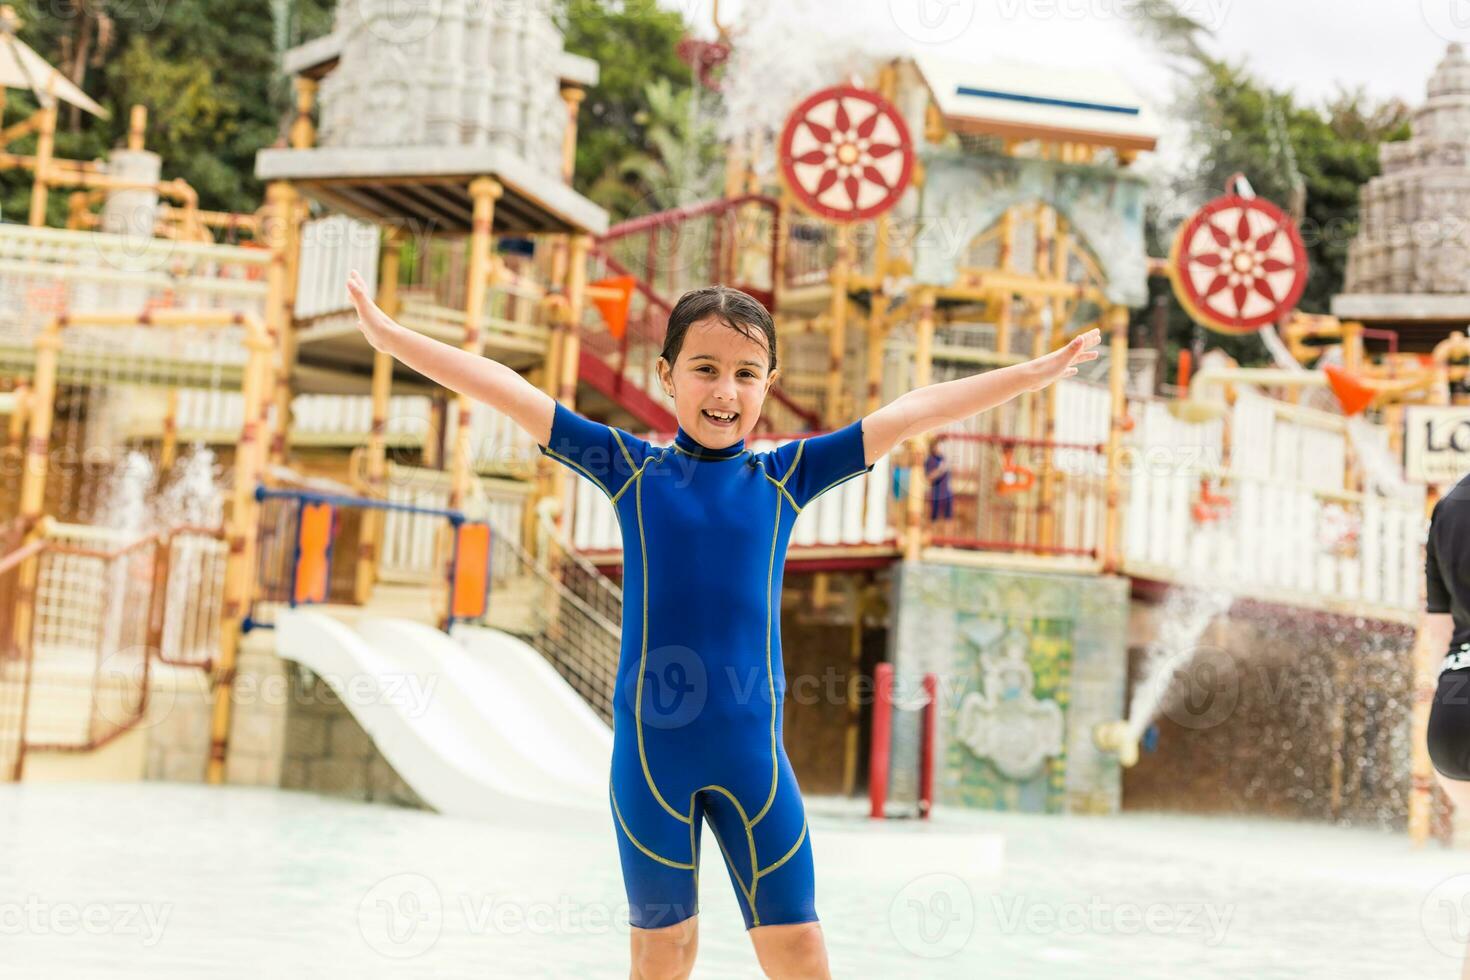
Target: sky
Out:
[1311,46]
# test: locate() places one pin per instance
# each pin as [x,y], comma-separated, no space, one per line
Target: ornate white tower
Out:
[447,73]
[1414,224]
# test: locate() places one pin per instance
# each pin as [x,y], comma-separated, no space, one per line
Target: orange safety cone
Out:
[614,309]
[1352,394]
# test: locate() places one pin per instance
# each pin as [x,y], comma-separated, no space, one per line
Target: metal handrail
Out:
[342,500]
[456,519]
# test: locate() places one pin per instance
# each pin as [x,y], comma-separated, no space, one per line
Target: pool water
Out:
[162,880]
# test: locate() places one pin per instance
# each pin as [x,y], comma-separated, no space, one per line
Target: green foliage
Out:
[1307,159]
[681,164]
[205,70]
[645,138]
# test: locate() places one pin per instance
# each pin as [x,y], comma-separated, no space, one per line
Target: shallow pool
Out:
[161,879]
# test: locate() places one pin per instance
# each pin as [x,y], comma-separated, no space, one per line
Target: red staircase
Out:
[726,241]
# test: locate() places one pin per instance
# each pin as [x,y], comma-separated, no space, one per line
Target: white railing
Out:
[1279,520]
[330,248]
[1163,463]
[209,410]
[408,415]
[1083,415]
[411,541]
[854,513]
[350,417]
[497,443]
[1270,439]
[45,271]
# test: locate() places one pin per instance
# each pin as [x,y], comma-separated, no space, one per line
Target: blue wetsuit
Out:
[697,701]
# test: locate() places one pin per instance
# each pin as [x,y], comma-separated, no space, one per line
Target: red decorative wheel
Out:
[1238,264]
[846,154]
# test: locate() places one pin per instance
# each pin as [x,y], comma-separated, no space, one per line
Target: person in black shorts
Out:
[1444,632]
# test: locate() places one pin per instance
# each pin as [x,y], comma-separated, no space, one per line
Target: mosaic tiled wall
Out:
[1028,663]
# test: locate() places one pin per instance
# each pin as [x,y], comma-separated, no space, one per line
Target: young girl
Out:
[705,524]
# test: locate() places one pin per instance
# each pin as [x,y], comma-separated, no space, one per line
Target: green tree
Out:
[206,71]
[632,149]
[681,165]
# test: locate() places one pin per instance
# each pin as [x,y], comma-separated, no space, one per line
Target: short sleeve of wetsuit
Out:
[1436,593]
[607,456]
[810,467]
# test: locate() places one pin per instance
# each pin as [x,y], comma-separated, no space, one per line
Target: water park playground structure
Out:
[328,510]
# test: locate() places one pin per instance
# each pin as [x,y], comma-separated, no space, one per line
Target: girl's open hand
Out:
[377,326]
[1062,362]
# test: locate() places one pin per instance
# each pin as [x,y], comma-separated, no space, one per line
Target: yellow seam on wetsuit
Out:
[835,482]
[694,848]
[581,469]
[746,822]
[784,492]
[787,856]
[707,459]
[619,440]
[643,661]
[639,844]
[757,870]
[770,674]
[800,446]
[635,476]
[749,840]
[749,898]
[782,484]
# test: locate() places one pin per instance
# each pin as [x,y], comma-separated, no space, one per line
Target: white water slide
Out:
[478,724]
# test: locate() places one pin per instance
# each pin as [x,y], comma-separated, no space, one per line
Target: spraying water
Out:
[192,497]
[1381,471]
[125,506]
[136,504]
[196,578]
[1185,616]
[774,64]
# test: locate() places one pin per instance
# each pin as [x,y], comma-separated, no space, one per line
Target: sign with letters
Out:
[1436,443]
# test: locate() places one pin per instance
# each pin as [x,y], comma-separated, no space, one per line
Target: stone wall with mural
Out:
[1027,663]
[966,193]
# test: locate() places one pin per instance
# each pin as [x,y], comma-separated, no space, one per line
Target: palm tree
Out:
[680,164]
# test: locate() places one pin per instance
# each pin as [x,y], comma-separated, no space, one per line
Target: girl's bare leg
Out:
[666,953]
[794,952]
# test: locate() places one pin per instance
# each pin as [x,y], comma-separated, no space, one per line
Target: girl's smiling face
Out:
[718,382]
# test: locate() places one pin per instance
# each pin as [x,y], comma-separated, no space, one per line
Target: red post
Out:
[882,732]
[926,746]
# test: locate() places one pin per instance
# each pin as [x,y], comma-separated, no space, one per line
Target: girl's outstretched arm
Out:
[918,411]
[482,378]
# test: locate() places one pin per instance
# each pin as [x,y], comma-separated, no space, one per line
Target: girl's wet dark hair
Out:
[737,310]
